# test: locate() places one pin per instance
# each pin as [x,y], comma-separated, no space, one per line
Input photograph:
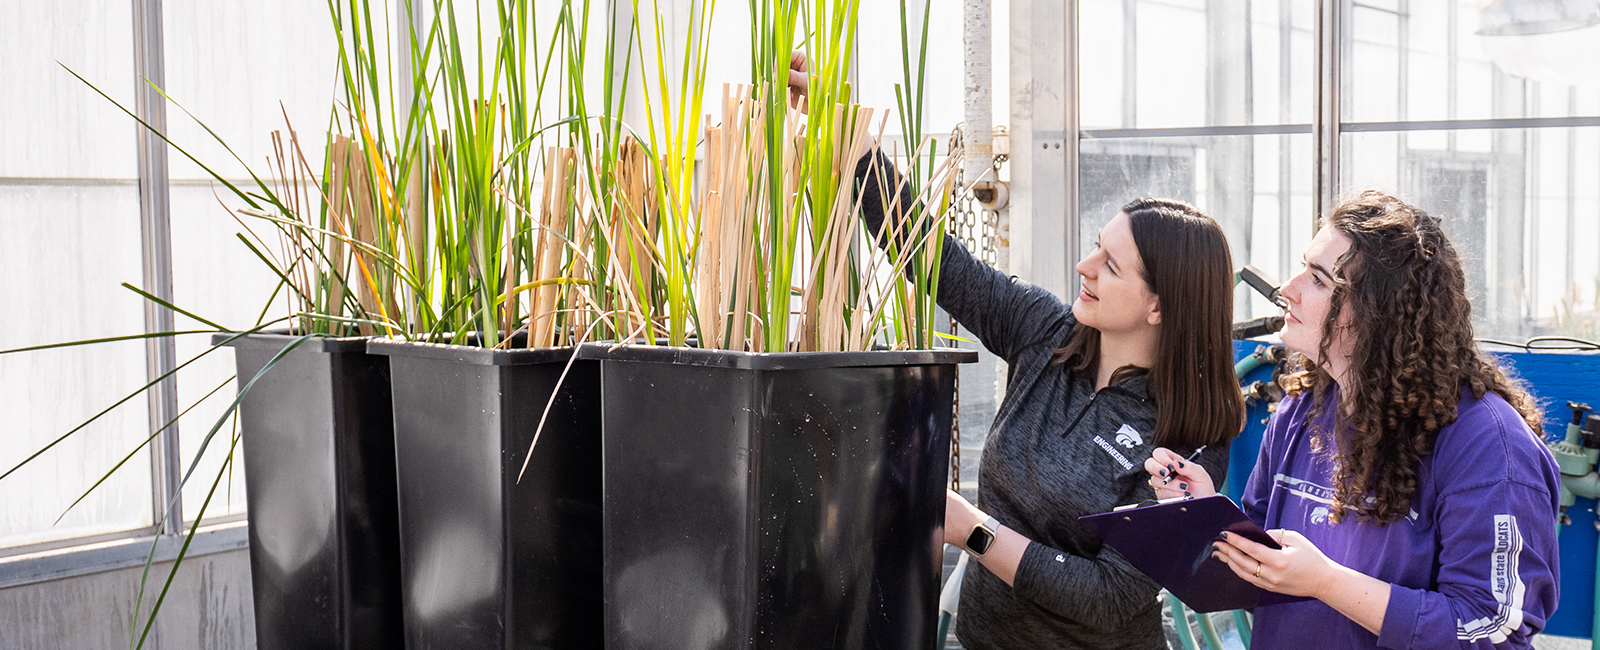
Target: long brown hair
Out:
[1188,267]
[1410,324]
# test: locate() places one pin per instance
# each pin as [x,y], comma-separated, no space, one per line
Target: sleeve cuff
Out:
[1032,567]
[1400,618]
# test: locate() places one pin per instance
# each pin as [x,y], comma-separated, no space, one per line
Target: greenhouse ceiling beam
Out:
[155,229]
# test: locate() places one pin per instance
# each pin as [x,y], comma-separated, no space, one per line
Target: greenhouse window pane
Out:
[290,71]
[1524,215]
[1257,187]
[69,236]
[52,125]
[1148,64]
[1454,68]
[64,250]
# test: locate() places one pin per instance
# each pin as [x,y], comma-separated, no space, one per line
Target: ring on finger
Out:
[1258,571]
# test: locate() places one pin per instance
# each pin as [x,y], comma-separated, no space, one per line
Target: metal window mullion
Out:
[1286,141]
[1403,92]
[1345,127]
[1325,124]
[1070,128]
[1130,62]
[1572,193]
[155,228]
[1452,67]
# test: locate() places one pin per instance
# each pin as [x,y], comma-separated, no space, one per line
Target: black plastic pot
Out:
[489,561]
[319,456]
[774,500]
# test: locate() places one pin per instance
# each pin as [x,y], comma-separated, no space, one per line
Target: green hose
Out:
[1249,362]
[1180,622]
[1242,623]
[1594,633]
[1208,631]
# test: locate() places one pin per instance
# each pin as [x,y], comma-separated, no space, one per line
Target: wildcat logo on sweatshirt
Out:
[1128,437]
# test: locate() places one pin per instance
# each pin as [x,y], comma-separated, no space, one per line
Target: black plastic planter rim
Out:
[773,360]
[688,356]
[277,339]
[469,354]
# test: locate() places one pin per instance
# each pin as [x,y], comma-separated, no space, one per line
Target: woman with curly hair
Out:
[1405,476]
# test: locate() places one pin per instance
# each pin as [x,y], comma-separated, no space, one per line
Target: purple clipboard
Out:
[1171,542]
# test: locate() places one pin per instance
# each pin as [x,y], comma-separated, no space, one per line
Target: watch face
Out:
[978,542]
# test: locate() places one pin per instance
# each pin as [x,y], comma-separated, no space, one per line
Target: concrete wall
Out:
[208,608]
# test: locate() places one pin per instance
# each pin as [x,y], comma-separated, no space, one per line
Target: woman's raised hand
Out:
[1172,476]
[799,80]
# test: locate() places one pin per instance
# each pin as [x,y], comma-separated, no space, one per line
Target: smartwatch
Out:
[982,537]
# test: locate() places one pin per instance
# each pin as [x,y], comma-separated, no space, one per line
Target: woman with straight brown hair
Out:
[1141,358]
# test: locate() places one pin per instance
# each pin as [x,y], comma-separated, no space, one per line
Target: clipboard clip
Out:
[1150,502]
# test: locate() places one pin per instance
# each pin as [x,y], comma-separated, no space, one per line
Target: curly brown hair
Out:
[1410,324]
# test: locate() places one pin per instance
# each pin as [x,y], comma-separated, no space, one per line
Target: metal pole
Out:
[1285,142]
[1325,122]
[155,230]
[1572,197]
[1130,64]
[1069,130]
[978,110]
[1325,126]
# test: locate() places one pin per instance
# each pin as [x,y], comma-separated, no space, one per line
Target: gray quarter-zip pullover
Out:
[1057,450]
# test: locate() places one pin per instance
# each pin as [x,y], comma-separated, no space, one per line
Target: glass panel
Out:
[63,251]
[1524,215]
[215,276]
[283,56]
[1440,60]
[54,125]
[880,67]
[1148,64]
[69,234]
[1257,187]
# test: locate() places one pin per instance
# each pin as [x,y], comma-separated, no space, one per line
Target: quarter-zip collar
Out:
[1135,388]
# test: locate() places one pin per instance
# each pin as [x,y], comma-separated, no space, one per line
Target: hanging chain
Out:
[962,226]
[977,228]
[955,427]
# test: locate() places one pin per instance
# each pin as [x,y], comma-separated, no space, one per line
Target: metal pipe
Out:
[1325,124]
[155,233]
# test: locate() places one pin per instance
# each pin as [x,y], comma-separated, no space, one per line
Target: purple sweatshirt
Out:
[1474,565]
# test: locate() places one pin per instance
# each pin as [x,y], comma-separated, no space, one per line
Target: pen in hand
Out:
[1190,459]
